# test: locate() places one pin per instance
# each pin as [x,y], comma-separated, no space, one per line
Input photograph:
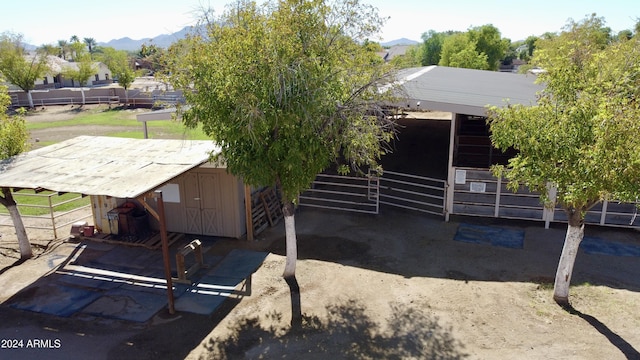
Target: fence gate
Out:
[413,192]
[346,193]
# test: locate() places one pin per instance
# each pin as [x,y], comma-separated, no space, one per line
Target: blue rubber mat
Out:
[123,304]
[54,299]
[208,293]
[88,280]
[126,258]
[239,263]
[490,235]
[116,289]
[598,246]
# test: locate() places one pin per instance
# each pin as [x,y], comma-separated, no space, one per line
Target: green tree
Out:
[75,46]
[118,62]
[81,71]
[411,58]
[459,50]
[48,49]
[63,49]
[625,35]
[488,41]
[13,141]
[581,138]
[152,57]
[91,44]
[18,66]
[285,88]
[431,47]
[531,45]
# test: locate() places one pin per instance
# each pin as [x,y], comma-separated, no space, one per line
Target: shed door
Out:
[211,204]
[203,204]
[192,204]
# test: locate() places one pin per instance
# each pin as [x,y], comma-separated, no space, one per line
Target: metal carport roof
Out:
[465,91]
[98,165]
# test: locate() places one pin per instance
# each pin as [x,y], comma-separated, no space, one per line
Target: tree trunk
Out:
[575,233]
[30,97]
[21,232]
[82,92]
[291,242]
[290,265]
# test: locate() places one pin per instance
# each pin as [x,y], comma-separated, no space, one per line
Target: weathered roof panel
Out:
[466,91]
[98,165]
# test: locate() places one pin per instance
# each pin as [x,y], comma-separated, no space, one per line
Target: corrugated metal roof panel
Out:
[98,165]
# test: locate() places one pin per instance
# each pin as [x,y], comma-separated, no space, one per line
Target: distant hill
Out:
[403,41]
[163,41]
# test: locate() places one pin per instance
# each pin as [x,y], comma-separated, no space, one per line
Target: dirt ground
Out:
[388,286]
[395,285]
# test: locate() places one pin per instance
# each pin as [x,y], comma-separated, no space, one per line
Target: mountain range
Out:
[165,40]
[162,41]
[402,41]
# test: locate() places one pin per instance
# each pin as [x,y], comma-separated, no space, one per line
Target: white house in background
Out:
[55,79]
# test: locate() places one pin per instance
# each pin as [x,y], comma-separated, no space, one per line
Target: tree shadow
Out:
[347,333]
[627,349]
[404,243]
[14,264]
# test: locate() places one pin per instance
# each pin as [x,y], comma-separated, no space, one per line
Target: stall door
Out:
[203,204]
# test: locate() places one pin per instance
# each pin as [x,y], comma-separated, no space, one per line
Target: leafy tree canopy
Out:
[13,129]
[459,50]
[488,41]
[431,47]
[582,135]
[119,63]
[17,65]
[84,69]
[285,88]
[480,47]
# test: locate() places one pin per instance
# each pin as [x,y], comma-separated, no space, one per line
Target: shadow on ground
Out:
[403,243]
[348,333]
[616,340]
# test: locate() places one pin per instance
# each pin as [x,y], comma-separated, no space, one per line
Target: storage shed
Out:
[119,174]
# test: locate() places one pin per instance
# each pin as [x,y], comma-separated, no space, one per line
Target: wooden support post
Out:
[247,209]
[194,247]
[160,216]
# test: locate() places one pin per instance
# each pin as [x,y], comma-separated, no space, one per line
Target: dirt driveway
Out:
[390,286]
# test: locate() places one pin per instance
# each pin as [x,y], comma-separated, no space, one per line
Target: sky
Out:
[47,21]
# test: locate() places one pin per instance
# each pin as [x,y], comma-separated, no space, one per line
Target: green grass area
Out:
[32,204]
[167,129]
